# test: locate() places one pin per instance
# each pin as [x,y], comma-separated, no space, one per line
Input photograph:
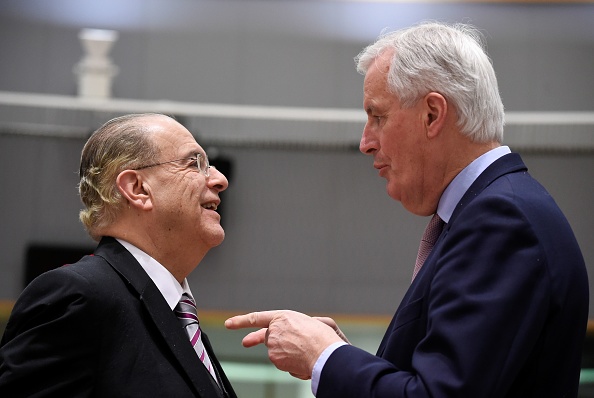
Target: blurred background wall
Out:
[309,225]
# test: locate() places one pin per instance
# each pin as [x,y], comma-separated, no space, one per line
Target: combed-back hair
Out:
[120,144]
[450,60]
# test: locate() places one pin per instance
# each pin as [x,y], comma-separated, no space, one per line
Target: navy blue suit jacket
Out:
[499,308]
[101,328]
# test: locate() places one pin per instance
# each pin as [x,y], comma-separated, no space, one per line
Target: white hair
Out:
[450,60]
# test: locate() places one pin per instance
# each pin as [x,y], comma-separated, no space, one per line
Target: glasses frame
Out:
[196,158]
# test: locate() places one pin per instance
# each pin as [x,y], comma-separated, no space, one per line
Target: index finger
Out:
[259,319]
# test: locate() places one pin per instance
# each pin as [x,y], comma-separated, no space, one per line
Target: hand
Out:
[330,322]
[294,340]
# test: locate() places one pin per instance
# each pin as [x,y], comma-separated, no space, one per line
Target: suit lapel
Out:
[163,317]
[382,346]
[178,342]
[224,382]
[403,303]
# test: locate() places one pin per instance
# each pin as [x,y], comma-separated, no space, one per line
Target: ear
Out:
[132,187]
[436,109]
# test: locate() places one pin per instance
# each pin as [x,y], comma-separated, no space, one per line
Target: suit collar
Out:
[123,263]
[163,317]
[510,163]
[506,164]
[169,287]
[464,179]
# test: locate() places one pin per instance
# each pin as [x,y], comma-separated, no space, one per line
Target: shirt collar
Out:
[162,278]
[460,184]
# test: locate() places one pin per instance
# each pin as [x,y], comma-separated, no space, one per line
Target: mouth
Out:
[379,166]
[382,169]
[210,206]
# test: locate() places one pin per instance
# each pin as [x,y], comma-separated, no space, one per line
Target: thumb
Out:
[254,338]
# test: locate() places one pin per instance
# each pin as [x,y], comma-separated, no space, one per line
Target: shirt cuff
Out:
[319,365]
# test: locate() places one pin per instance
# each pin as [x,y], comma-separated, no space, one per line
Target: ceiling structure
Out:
[352,20]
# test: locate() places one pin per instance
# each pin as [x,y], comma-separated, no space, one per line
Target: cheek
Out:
[405,170]
[189,192]
[400,145]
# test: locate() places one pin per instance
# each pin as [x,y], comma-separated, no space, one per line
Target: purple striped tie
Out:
[186,313]
[430,236]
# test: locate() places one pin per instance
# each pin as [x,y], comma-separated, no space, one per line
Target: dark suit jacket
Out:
[101,328]
[498,310]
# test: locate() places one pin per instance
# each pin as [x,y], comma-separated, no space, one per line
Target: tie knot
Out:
[433,229]
[185,310]
[428,240]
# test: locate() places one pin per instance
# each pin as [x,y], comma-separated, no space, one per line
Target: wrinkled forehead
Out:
[376,79]
[379,68]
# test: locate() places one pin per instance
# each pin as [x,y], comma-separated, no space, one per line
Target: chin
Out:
[216,238]
[220,240]
[393,192]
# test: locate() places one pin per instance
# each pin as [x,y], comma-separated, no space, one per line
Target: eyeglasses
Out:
[200,161]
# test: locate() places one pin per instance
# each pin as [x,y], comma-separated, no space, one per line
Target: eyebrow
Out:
[193,153]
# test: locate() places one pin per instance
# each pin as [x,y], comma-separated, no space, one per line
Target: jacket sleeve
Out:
[49,347]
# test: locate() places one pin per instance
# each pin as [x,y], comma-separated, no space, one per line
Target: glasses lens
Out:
[203,164]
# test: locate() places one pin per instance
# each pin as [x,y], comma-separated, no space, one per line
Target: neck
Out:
[448,158]
[179,258]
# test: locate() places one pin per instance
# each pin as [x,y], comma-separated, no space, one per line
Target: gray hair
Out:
[121,143]
[450,60]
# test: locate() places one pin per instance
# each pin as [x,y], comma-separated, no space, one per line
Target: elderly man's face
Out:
[395,138]
[185,199]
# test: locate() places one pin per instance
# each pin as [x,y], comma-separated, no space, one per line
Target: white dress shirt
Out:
[168,286]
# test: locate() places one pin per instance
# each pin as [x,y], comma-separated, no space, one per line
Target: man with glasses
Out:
[122,322]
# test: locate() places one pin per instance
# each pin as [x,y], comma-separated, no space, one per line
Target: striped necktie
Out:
[186,313]
[430,236]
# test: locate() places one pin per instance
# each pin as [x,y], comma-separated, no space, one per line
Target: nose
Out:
[368,144]
[217,180]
